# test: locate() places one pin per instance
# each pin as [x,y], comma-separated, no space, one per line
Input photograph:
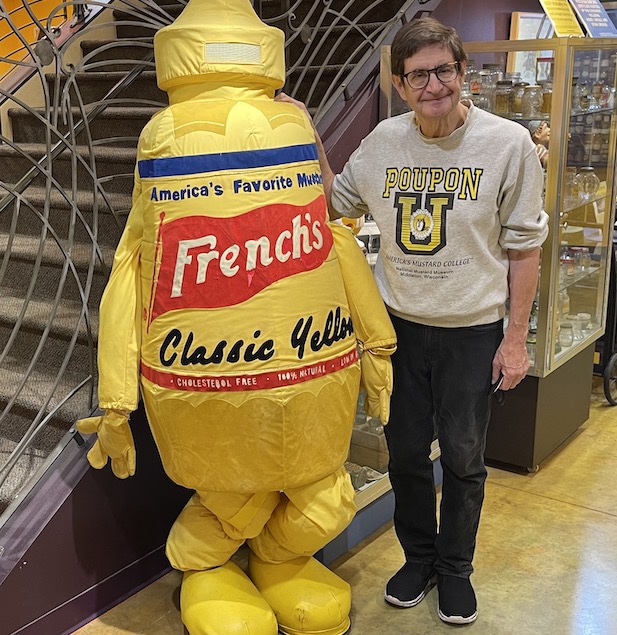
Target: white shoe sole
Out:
[458,619]
[407,604]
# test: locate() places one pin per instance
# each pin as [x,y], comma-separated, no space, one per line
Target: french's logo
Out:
[206,262]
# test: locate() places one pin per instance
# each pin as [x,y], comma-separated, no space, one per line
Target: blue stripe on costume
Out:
[244,160]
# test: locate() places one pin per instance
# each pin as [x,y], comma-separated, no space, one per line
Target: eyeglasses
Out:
[445,73]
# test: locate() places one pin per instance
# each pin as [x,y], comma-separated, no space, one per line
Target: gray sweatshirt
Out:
[448,209]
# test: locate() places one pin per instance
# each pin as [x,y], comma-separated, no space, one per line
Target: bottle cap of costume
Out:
[215,41]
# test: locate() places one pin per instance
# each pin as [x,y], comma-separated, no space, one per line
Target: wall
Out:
[482,20]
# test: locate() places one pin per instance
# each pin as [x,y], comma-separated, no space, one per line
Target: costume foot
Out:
[307,598]
[223,601]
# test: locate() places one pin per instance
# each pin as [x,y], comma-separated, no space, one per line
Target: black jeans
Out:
[442,379]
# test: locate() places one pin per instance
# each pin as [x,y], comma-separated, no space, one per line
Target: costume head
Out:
[219,42]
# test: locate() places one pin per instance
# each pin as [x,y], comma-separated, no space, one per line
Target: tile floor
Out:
[546,560]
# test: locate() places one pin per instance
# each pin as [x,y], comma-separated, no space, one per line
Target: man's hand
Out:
[283,97]
[512,362]
[115,442]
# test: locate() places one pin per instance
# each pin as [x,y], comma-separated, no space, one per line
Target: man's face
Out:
[437,99]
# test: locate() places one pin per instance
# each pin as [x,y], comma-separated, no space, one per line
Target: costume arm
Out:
[371,321]
[120,320]
[118,353]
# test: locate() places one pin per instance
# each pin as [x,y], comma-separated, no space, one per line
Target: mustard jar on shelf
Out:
[532,101]
[516,98]
[588,182]
[503,91]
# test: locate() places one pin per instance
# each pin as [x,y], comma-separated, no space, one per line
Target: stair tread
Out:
[24,247]
[42,383]
[104,75]
[111,112]
[37,315]
[38,195]
[100,152]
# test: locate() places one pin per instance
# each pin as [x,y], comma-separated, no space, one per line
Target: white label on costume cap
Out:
[232,53]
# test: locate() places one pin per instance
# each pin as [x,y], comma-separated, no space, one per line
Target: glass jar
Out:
[532,101]
[472,75]
[544,69]
[516,98]
[571,187]
[566,336]
[588,182]
[503,90]
[564,303]
[575,323]
[531,346]
[567,265]
[596,94]
[547,98]
[487,90]
[585,322]
[584,98]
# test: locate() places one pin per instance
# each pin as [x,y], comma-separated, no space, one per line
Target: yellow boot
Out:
[223,601]
[307,598]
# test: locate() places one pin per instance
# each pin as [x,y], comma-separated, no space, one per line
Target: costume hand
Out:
[115,442]
[376,379]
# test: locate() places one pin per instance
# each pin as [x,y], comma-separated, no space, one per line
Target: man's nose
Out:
[433,82]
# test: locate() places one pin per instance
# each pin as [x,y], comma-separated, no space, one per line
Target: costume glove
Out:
[376,379]
[115,442]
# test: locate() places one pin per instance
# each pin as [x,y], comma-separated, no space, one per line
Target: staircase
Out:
[66,178]
[58,235]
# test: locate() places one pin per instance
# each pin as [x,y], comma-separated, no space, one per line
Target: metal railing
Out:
[67,152]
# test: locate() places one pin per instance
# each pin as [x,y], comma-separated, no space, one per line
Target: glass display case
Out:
[575,81]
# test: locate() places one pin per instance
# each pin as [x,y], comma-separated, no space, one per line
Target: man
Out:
[457,195]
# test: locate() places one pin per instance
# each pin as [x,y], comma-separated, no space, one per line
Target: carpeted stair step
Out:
[81,215]
[30,259]
[330,12]
[120,124]
[321,78]
[27,389]
[95,86]
[103,56]
[102,164]
[131,26]
[25,249]
[330,45]
[36,316]
[14,426]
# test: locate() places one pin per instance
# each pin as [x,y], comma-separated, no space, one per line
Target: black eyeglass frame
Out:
[435,71]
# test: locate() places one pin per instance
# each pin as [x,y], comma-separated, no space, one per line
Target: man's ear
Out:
[397,82]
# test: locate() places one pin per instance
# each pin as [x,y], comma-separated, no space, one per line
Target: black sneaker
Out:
[408,586]
[457,600]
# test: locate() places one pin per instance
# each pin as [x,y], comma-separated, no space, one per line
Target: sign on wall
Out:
[594,18]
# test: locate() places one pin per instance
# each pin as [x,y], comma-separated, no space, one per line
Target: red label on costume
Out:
[209,262]
[257,381]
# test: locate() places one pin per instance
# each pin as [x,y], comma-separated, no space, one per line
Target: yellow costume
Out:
[238,311]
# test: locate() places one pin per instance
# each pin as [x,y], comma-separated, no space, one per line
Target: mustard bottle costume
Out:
[238,311]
